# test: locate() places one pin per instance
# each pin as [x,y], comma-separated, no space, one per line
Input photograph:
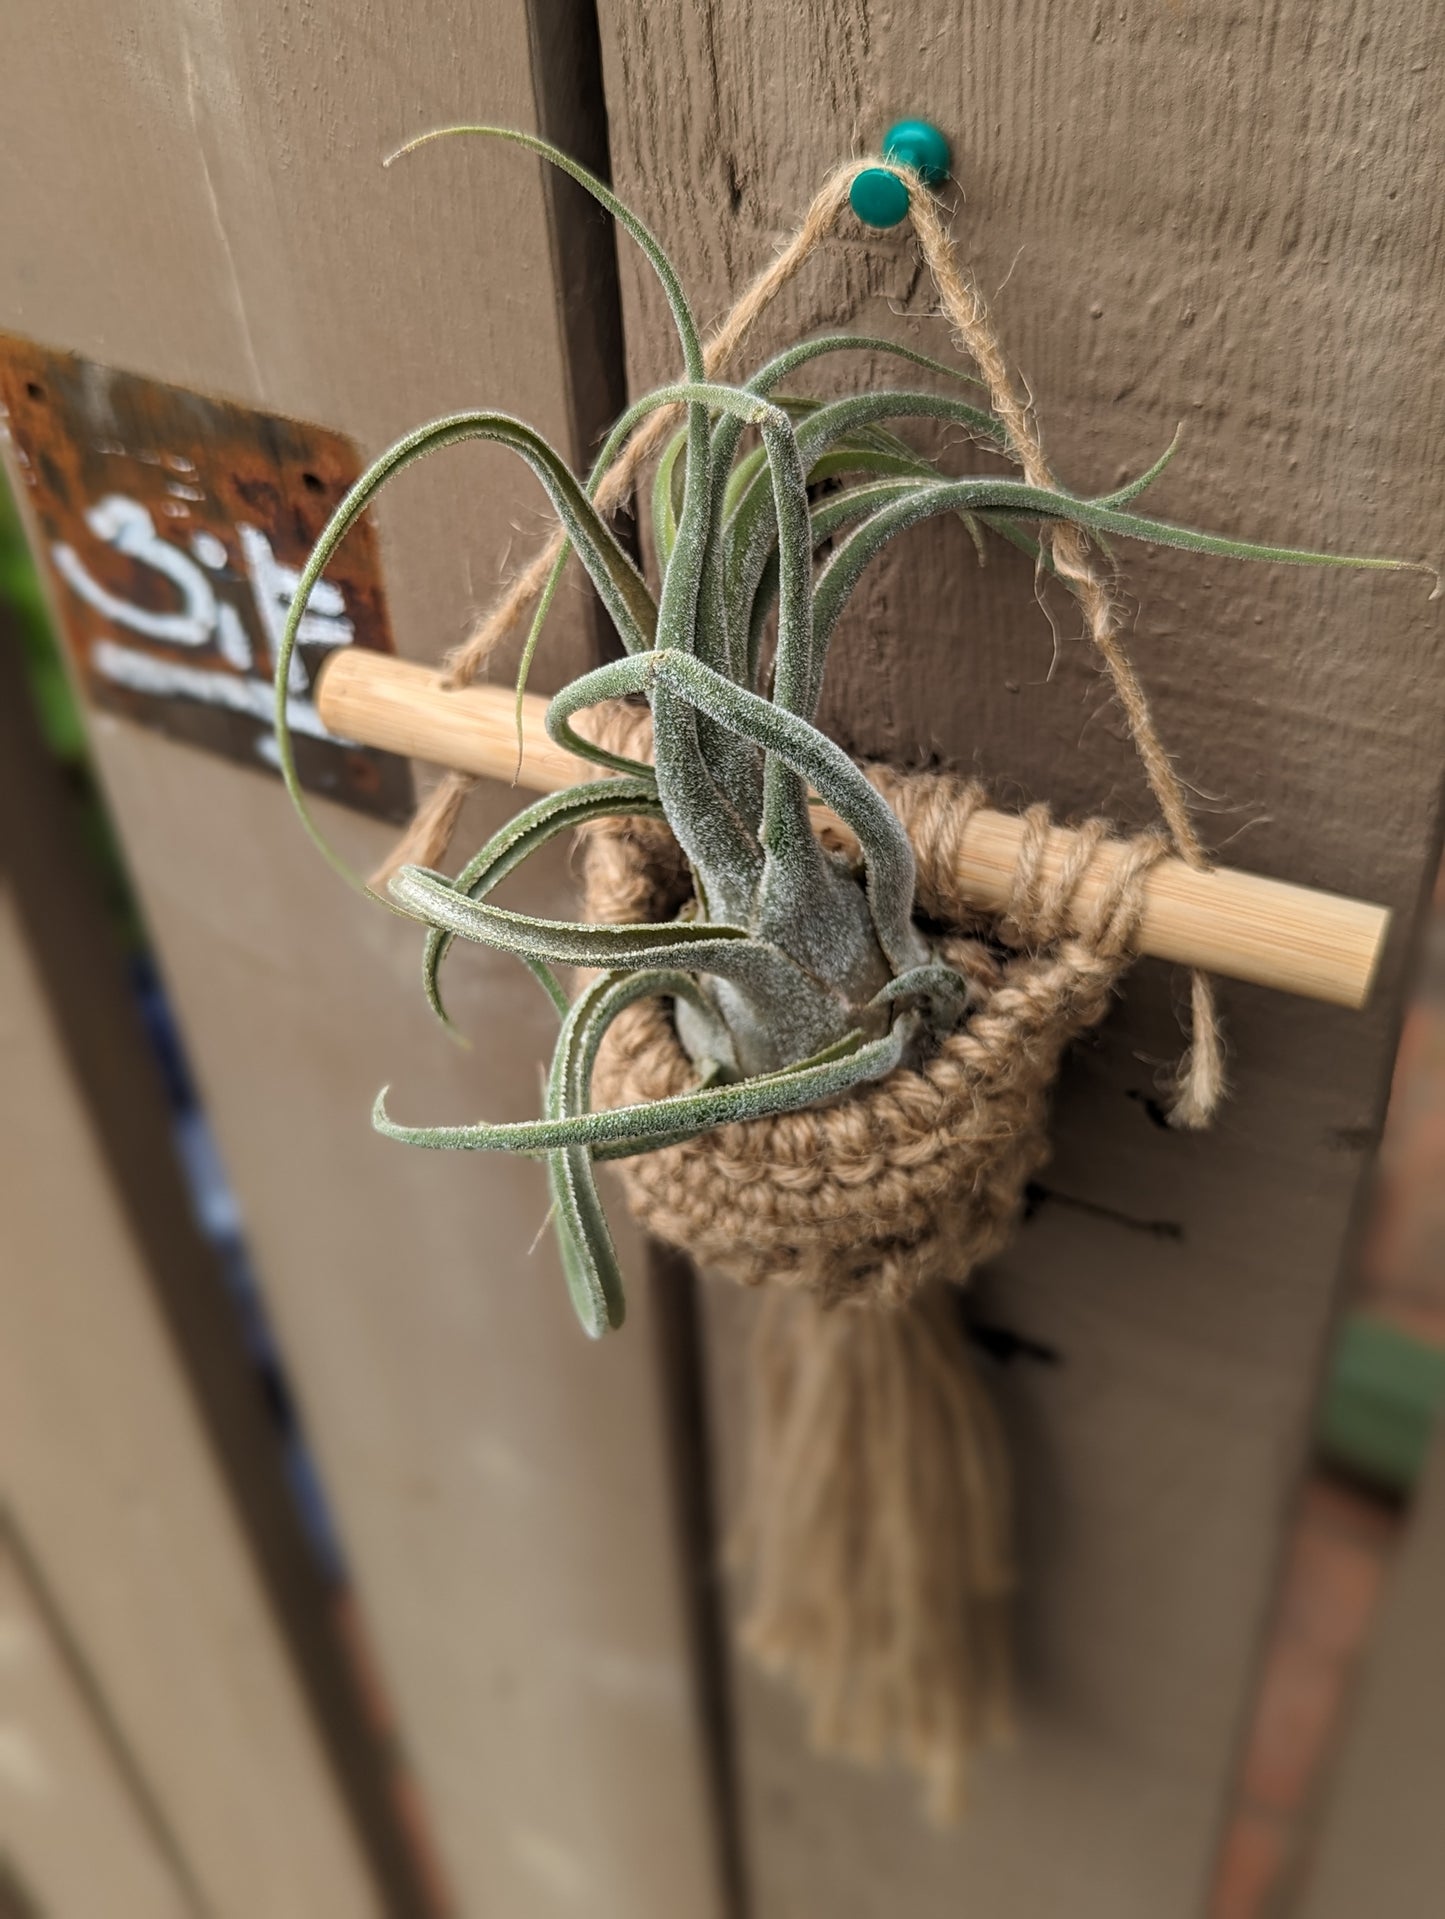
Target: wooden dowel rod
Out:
[1318,945]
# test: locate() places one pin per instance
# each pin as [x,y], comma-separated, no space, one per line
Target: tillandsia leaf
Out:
[856,503]
[664,501]
[607,996]
[681,765]
[887,855]
[942,989]
[621,587]
[584,1242]
[697,946]
[677,1116]
[802,887]
[612,446]
[549,984]
[682,315]
[828,517]
[540,616]
[681,310]
[725,442]
[590,1259]
[727,436]
[842,1049]
[867,443]
[563,812]
[1133,488]
[723,852]
[1095,518]
[664,507]
[881,454]
[722,641]
[726,400]
[765,381]
[806,897]
[749,533]
[831,422]
[842,572]
[689,772]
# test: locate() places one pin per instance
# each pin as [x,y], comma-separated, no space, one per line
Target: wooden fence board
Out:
[106,1475]
[1176,213]
[59,1779]
[203,202]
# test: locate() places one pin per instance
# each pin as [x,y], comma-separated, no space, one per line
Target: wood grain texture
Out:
[1179,212]
[195,192]
[1381,1845]
[82,955]
[106,1472]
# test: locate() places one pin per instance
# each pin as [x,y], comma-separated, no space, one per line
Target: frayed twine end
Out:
[1202,1082]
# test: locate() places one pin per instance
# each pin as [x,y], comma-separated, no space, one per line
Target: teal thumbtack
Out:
[920,145]
[878,197]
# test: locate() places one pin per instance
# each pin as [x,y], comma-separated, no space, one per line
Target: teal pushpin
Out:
[878,197]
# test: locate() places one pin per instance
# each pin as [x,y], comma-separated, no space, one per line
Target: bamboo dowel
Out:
[1318,945]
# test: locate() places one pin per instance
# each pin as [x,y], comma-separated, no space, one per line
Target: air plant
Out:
[795,974]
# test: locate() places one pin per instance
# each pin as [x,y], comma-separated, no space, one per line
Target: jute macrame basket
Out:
[876,1539]
[875,1542]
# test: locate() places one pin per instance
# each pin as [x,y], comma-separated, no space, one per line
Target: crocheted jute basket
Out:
[875,1539]
[875,1542]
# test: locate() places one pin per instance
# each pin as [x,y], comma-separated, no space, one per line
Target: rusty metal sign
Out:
[175,527]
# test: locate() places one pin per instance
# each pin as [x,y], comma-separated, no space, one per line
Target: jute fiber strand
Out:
[1200,1083]
[876,1543]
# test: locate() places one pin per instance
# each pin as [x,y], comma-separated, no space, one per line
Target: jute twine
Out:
[1201,1083]
[876,1538]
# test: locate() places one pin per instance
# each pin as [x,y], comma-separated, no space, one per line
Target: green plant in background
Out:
[20,592]
[795,974]
[23,611]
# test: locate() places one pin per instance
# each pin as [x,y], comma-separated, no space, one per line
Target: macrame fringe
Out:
[875,1542]
[875,1538]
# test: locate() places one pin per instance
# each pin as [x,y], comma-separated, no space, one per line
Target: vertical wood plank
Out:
[72,1838]
[77,950]
[107,1474]
[205,203]
[1177,213]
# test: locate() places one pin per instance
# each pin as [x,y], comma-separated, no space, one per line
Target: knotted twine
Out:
[1200,1083]
[876,1540]
[876,1531]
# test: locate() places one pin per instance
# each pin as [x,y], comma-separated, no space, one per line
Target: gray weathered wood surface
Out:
[196,193]
[1178,213]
